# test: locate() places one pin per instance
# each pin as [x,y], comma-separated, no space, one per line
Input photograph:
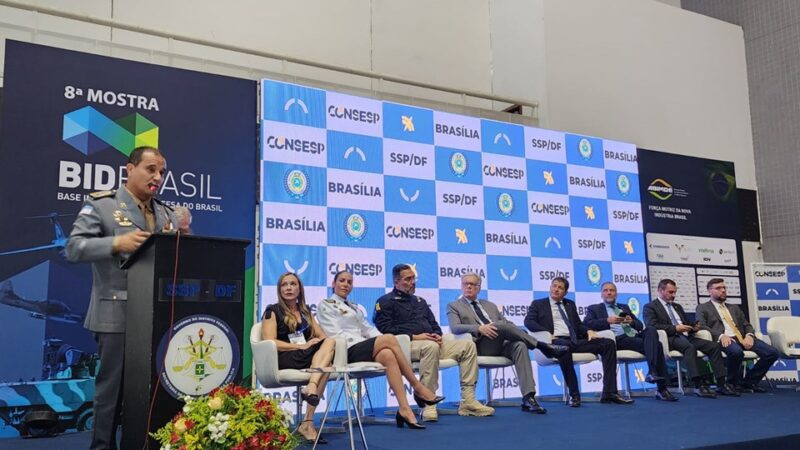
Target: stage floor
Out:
[649,424]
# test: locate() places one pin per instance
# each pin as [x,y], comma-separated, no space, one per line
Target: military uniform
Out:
[104,216]
[340,318]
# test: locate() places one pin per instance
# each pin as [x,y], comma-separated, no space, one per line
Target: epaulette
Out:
[160,202]
[102,194]
[330,300]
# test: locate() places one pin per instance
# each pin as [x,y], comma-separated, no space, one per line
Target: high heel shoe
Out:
[311,399]
[402,420]
[421,402]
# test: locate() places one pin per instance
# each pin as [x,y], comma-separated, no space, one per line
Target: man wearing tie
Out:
[559,317]
[665,314]
[630,335]
[496,336]
[730,328]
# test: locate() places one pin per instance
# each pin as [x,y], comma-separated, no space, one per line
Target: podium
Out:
[203,299]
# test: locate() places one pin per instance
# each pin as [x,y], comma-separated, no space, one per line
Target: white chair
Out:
[678,356]
[265,358]
[749,355]
[627,357]
[577,358]
[784,334]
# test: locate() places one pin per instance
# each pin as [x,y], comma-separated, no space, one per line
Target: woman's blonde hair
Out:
[288,315]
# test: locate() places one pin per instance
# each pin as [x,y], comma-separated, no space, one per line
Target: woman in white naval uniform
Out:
[340,318]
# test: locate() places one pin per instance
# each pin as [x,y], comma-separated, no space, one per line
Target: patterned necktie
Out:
[478,311]
[625,327]
[572,336]
[726,316]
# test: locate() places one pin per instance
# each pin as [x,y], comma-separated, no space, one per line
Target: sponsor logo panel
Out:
[355,152]
[590,274]
[588,212]
[502,138]
[620,156]
[293,144]
[551,242]
[355,228]
[627,246]
[504,171]
[584,150]
[452,266]
[456,131]
[774,308]
[772,291]
[793,274]
[622,186]
[354,114]
[460,235]
[284,102]
[366,265]
[294,223]
[291,183]
[546,176]
[630,277]
[588,243]
[407,123]
[635,302]
[508,273]
[345,190]
[545,145]
[408,159]
[459,200]
[424,264]
[507,238]
[624,216]
[307,262]
[772,274]
[409,195]
[544,270]
[586,181]
[505,205]
[458,166]
[410,232]
[548,209]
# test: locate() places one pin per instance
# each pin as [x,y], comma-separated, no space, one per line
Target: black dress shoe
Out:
[552,350]
[574,401]
[704,392]
[727,389]
[421,402]
[529,404]
[615,398]
[666,396]
[653,379]
[751,387]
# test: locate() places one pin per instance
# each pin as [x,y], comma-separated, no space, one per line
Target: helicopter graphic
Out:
[59,242]
[39,309]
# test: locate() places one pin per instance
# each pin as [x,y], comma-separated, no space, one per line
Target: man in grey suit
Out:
[496,336]
[110,226]
[730,328]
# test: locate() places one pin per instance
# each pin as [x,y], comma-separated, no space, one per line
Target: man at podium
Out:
[110,226]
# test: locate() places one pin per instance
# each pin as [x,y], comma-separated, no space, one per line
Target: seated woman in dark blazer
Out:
[301,343]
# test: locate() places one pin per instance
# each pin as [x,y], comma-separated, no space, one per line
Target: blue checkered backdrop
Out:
[358,183]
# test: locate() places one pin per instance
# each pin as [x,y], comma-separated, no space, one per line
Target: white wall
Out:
[652,74]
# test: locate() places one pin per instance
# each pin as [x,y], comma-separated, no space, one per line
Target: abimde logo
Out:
[295,145]
[404,232]
[458,164]
[505,204]
[660,189]
[296,183]
[355,227]
[457,131]
[354,114]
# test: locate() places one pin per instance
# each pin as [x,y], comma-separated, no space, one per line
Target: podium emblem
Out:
[202,354]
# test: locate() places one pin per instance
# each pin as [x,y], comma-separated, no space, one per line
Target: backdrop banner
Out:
[70,120]
[777,291]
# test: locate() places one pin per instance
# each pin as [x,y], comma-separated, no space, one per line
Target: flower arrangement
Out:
[231,417]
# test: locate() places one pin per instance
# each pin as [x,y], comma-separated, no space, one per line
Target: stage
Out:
[758,421]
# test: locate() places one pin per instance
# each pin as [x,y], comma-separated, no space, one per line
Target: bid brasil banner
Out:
[69,122]
[356,183]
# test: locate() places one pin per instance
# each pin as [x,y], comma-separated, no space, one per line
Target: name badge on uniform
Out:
[297,337]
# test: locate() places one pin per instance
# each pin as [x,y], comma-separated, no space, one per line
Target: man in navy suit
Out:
[559,317]
[630,334]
